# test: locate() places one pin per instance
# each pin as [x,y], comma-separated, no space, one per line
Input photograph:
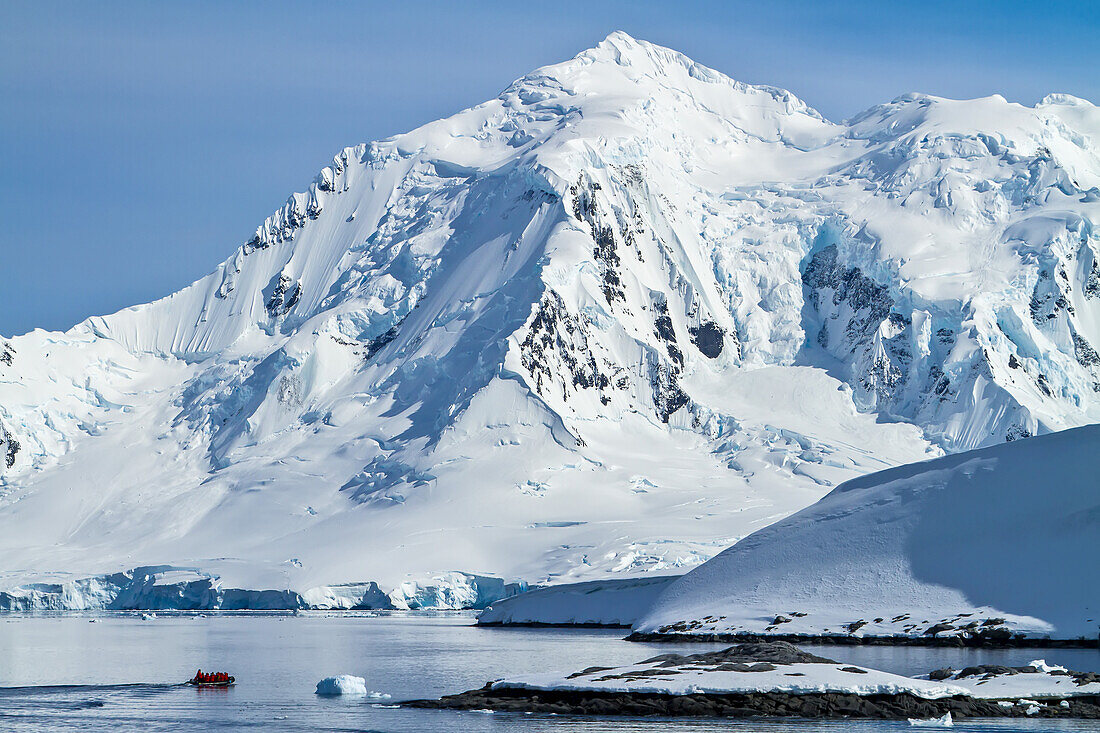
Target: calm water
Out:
[63,673]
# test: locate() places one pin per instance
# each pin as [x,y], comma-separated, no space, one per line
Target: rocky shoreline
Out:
[777,679]
[770,704]
[985,641]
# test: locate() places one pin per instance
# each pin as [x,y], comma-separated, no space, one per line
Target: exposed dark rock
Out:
[1047,300]
[990,670]
[776,652]
[556,352]
[937,628]
[663,324]
[1092,282]
[9,445]
[667,395]
[284,296]
[853,307]
[709,338]
[586,209]
[943,673]
[1086,355]
[663,330]
[869,301]
[940,384]
[7,354]
[588,671]
[376,344]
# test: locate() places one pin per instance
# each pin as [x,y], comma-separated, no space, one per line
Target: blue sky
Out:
[141,143]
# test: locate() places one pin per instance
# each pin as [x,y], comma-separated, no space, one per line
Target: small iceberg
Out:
[344,684]
[944,722]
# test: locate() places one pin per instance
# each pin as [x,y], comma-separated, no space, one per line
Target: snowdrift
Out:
[996,543]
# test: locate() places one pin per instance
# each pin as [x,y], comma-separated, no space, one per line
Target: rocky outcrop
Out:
[742,705]
[9,446]
[285,293]
[777,679]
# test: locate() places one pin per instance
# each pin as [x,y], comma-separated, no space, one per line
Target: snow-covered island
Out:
[997,545]
[778,679]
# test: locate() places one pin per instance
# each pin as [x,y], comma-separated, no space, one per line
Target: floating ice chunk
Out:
[944,722]
[148,617]
[344,684]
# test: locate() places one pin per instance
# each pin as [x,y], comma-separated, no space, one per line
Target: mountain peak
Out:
[472,326]
[621,40]
[623,48]
[622,74]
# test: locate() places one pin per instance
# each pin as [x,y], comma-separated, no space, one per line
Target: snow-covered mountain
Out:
[606,323]
[992,542]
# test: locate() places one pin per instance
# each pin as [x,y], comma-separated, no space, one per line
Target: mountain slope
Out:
[446,354]
[997,541]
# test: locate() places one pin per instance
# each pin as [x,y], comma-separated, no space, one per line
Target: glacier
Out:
[604,325]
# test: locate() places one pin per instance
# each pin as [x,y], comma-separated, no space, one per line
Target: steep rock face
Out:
[9,447]
[627,292]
